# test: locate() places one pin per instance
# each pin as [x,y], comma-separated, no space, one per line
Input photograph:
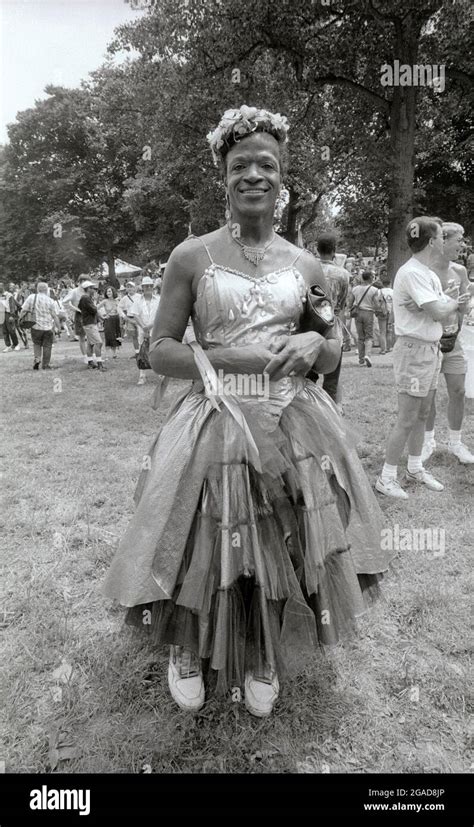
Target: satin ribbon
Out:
[211,387]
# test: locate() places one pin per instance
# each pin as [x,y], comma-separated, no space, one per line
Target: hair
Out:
[420,230]
[367,275]
[110,287]
[326,245]
[41,287]
[450,228]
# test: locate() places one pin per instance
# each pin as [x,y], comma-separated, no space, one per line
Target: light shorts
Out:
[416,365]
[454,361]
[92,334]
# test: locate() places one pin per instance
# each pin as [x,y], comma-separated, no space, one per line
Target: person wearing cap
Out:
[90,316]
[124,305]
[143,311]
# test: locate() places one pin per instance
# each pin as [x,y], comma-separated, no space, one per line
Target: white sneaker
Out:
[260,694]
[142,380]
[17,347]
[7,349]
[427,450]
[426,478]
[462,452]
[391,488]
[185,679]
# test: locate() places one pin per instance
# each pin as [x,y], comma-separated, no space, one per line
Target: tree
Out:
[338,44]
[65,170]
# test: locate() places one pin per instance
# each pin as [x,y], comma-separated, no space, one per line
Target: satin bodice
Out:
[233,308]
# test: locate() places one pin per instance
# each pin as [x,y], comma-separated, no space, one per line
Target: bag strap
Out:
[363,296]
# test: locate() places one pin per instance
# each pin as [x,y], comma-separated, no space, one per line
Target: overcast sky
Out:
[51,41]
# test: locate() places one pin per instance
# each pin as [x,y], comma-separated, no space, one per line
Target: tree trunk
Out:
[402,141]
[291,232]
[111,263]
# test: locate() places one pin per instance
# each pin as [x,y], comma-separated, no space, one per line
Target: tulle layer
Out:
[251,567]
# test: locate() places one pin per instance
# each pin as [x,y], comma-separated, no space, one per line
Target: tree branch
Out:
[464,78]
[340,80]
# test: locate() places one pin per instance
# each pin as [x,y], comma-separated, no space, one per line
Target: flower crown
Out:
[235,124]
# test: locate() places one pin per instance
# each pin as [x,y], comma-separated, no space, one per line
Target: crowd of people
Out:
[98,316]
[256,535]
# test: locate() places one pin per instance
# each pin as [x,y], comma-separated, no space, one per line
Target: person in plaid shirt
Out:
[42,332]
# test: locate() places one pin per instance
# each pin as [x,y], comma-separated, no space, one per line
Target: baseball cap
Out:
[86,284]
[147,280]
[130,284]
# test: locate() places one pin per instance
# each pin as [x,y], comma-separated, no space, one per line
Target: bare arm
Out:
[440,310]
[466,288]
[171,357]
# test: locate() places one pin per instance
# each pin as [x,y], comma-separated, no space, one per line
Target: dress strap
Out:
[203,244]
[303,250]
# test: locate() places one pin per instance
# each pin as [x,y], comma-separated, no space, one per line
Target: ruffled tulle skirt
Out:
[251,562]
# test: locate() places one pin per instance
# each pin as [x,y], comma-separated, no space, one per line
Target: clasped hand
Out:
[296,357]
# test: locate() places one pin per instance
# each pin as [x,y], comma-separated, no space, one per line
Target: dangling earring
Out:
[227,214]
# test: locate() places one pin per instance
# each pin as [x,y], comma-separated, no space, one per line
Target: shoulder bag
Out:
[29,319]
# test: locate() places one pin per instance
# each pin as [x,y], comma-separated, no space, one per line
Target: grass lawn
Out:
[86,694]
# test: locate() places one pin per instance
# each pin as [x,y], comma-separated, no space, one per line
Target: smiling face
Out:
[453,245]
[252,175]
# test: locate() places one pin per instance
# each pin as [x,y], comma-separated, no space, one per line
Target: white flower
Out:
[240,122]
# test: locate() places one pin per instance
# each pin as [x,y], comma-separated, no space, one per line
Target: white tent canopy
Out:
[122,268]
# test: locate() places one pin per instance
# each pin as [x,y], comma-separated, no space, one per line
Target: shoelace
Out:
[187,663]
[267,676]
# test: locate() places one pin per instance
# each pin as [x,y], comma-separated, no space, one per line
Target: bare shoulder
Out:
[186,258]
[459,269]
[309,267]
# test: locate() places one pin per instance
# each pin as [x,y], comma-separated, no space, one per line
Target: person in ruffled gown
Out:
[256,536]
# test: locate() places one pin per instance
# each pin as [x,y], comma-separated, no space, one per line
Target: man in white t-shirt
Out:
[143,310]
[124,305]
[420,307]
